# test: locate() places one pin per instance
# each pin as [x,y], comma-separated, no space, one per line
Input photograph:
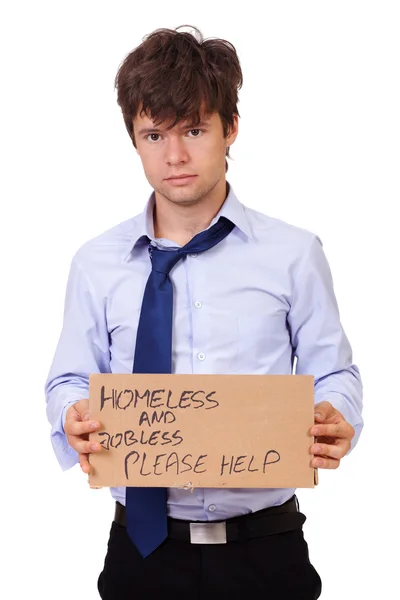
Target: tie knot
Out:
[164,260]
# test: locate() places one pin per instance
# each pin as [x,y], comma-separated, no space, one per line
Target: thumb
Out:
[82,409]
[323,410]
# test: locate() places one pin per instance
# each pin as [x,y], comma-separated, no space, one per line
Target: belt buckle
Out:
[208,533]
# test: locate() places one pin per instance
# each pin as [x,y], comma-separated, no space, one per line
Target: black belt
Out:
[269,521]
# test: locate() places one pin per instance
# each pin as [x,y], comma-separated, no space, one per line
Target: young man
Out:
[227,290]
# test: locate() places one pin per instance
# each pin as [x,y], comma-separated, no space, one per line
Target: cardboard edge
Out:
[315,468]
[92,377]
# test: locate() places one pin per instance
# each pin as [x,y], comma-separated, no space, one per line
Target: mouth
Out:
[181,179]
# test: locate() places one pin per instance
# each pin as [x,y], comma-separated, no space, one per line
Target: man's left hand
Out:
[333,435]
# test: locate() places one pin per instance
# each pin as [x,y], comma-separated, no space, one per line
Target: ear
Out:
[133,138]
[134,145]
[233,131]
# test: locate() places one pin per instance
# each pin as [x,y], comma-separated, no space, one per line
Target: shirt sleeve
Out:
[83,348]
[319,341]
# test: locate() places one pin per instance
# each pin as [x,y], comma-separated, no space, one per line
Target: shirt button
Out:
[212,507]
[201,356]
[194,255]
[198,304]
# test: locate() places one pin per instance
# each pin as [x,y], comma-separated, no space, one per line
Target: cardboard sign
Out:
[202,430]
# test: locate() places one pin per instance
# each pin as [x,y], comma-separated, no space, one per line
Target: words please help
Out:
[192,431]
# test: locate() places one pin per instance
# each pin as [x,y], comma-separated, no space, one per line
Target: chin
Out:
[180,195]
[184,198]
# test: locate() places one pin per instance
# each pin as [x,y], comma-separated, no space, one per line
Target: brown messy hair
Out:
[173,76]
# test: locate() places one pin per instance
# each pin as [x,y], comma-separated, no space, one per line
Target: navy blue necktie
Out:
[146,508]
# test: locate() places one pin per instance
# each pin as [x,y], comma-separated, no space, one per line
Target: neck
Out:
[181,222]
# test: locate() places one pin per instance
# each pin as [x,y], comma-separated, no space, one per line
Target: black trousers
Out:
[273,567]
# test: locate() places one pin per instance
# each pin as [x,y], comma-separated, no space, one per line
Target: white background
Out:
[318,147]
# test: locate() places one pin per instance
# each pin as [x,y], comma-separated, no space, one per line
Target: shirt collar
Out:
[232,209]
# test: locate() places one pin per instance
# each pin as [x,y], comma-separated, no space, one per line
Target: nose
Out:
[176,152]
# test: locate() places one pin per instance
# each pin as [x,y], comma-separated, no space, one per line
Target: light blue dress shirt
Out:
[251,304]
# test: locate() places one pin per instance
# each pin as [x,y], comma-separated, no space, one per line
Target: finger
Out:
[325,463]
[83,446]
[337,430]
[73,427]
[336,451]
[323,410]
[84,463]
[81,407]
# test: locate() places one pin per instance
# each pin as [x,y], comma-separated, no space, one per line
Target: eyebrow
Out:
[148,130]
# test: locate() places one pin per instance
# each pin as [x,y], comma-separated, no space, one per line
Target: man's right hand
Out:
[77,428]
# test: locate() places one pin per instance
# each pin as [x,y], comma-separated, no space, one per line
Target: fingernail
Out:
[317,449]
[318,462]
[86,417]
[318,416]
[316,431]
[93,425]
[93,447]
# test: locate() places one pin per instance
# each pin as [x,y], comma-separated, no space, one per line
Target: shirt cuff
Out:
[352,416]
[66,456]
[64,414]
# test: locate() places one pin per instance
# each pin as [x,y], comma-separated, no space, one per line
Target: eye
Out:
[196,132]
[153,137]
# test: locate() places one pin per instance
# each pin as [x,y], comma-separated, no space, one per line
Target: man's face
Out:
[197,153]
